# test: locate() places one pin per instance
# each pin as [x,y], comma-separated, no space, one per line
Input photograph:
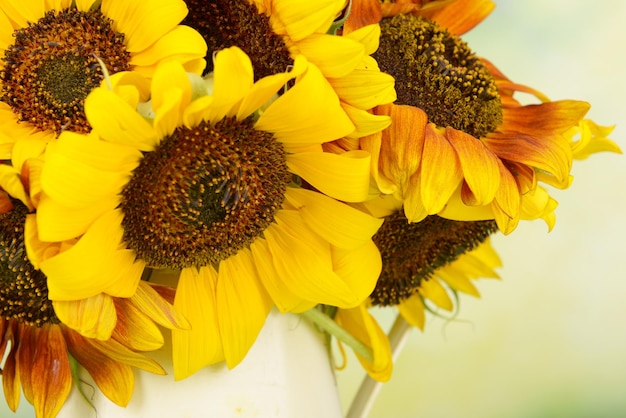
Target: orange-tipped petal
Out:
[51,372]
[479,165]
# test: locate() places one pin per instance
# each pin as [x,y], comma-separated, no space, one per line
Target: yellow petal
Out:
[75,174]
[458,282]
[233,78]
[134,329]
[11,183]
[285,300]
[412,310]
[359,268]
[321,120]
[21,13]
[117,352]
[94,264]
[364,328]
[303,261]
[181,44]
[267,87]
[366,123]
[368,36]
[338,223]
[155,307]
[301,18]
[143,22]
[171,93]
[335,56]
[93,317]
[365,88]
[433,290]
[202,344]
[116,121]
[242,305]
[344,177]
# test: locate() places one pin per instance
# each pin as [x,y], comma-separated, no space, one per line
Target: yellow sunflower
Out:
[460,145]
[274,32]
[209,189]
[51,54]
[38,348]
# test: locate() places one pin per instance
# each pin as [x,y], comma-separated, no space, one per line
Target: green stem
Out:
[330,326]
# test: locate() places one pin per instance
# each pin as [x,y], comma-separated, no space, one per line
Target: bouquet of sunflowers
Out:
[317,157]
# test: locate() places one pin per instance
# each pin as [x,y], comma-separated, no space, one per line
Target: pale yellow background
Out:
[549,340]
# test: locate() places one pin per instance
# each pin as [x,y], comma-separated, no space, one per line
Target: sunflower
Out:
[52,54]
[209,189]
[460,145]
[429,259]
[39,349]
[273,33]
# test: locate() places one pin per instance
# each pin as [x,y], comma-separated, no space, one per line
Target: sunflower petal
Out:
[359,267]
[301,18]
[479,165]
[434,291]
[324,120]
[144,22]
[116,121]
[438,184]
[181,44]
[335,56]
[344,177]
[412,310]
[114,379]
[94,264]
[303,260]
[242,306]
[94,317]
[134,329]
[117,352]
[340,224]
[159,310]
[283,298]
[364,88]
[202,344]
[364,328]
[51,385]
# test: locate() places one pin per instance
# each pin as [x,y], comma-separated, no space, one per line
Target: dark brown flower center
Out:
[23,290]
[52,66]
[204,194]
[411,252]
[226,23]
[437,72]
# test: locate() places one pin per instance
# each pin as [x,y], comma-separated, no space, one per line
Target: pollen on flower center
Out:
[411,252]
[226,23]
[437,72]
[205,193]
[53,64]
[23,290]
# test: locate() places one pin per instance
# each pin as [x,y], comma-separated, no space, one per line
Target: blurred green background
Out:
[549,340]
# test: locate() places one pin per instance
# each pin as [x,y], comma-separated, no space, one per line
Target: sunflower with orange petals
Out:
[460,145]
